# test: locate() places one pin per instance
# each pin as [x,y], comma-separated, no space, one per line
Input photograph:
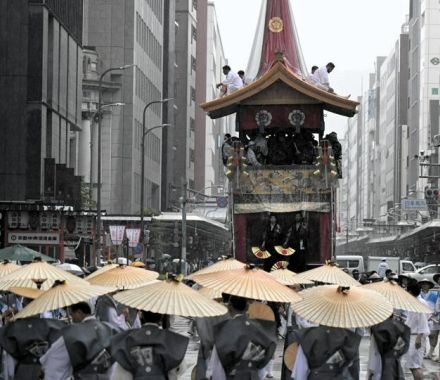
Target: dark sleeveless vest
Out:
[88,345]
[245,346]
[26,340]
[392,339]
[149,352]
[329,351]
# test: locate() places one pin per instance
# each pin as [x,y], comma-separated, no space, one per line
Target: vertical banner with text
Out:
[117,234]
[133,235]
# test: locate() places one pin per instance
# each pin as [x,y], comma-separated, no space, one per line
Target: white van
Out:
[351,262]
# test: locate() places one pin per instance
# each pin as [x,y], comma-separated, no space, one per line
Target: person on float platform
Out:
[232,82]
[83,350]
[149,352]
[312,78]
[321,76]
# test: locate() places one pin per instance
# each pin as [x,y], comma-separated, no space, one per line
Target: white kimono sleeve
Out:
[301,368]
[56,362]
[374,361]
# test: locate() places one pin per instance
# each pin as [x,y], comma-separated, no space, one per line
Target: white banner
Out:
[117,234]
[133,235]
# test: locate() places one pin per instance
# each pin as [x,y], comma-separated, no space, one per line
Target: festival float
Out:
[283,167]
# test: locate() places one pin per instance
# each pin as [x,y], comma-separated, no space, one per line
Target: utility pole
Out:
[183,202]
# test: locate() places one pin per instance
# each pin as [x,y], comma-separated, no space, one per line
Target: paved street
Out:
[181,325]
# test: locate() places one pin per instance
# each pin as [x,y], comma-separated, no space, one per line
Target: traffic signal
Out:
[432,194]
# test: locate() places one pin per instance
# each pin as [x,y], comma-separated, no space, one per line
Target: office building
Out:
[40,77]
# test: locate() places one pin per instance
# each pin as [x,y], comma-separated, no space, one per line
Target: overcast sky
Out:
[350,33]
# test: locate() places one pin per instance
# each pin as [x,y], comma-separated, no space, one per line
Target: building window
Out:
[194,3]
[193,33]
[157,8]
[193,94]
[193,63]
[149,43]
[192,156]
[434,91]
[147,91]
[192,125]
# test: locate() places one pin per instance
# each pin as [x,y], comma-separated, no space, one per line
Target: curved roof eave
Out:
[279,72]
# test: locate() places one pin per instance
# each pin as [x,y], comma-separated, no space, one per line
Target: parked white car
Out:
[427,272]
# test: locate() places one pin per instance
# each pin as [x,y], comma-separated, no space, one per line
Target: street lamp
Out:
[98,112]
[144,134]
[98,188]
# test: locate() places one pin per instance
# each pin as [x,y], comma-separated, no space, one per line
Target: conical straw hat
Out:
[398,297]
[27,292]
[137,264]
[171,297]
[100,271]
[328,274]
[210,293]
[6,267]
[124,277]
[260,254]
[258,310]
[335,306]
[219,266]
[39,272]
[248,282]
[62,295]
[287,277]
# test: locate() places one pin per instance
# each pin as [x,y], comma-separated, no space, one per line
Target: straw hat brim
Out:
[25,277]
[287,277]
[290,355]
[7,268]
[172,298]
[210,293]
[62,296]
[219,266]
[31,293]
[398,297]
[137,264]
[249,283]
[357,307]
[328,274]
[100,271]
[261,311]
[124,277]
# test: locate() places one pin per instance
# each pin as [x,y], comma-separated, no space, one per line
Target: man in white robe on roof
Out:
[232,82]
[322,77]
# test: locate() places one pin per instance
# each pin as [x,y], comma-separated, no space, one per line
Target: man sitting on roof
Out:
[232,82]
[322,78]
[311,78]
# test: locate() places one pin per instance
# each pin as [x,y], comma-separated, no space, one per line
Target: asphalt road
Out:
[181,325]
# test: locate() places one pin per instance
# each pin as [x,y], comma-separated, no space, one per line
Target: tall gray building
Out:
[185,92]
[40,100]
[169,191]
[209,173]
[124,33]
